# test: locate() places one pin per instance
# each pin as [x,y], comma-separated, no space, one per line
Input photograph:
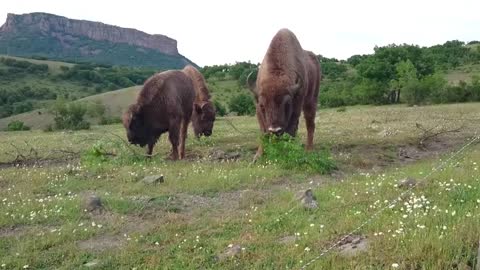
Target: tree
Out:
[69,115]
[407,82]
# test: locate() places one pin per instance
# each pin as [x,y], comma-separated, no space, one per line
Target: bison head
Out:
[275,102]
[203,118]
[134,123]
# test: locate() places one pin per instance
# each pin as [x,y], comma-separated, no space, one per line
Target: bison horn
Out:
[298,84]
[251,83]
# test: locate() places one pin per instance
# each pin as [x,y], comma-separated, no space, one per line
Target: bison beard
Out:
[165,103]
[287,82]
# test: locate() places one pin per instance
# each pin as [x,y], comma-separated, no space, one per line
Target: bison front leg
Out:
[263,129]
[173,136]
[150,149]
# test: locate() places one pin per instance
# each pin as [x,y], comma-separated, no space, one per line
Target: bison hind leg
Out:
[174,137]
[309,114]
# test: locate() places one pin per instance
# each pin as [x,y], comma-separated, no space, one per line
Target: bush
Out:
[289,153]
[219,108]
[17,126]
[70,115]
[242,104]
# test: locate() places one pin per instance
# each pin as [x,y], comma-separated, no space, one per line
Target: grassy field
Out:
[463,73]
[53,66]
[213,213]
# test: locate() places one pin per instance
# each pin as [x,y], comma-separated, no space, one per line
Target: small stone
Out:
[309,201]
[230,252]
[93,203]
[153,179]
[289,239]
[356,240]
[92,263]
[407,183]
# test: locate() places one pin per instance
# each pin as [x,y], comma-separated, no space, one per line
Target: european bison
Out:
[288,81]
[204,112]
[165,103]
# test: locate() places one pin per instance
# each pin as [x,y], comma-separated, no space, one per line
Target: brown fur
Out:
[164,104]
[287,82]
[203,115]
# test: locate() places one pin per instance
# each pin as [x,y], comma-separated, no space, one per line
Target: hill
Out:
[28,84]
[60,38]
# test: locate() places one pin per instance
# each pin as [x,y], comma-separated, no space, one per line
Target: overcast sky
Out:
[217,32]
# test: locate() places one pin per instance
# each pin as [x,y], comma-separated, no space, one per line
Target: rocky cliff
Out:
[52,36]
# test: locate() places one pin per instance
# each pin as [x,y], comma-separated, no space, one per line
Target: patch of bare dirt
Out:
[352,245]
[38,163]
[15,231]
[101,243]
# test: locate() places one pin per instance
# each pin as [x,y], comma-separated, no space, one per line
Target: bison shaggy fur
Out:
[165,103]
[203,115]
[287,82]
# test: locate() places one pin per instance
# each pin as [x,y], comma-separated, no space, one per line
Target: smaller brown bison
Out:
[287,82]
[165,103]
[203,110]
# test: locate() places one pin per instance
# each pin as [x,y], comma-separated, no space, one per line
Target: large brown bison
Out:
[165,103]
[288,81]
[203,111]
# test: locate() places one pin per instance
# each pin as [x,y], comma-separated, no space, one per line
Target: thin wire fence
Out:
[393,203]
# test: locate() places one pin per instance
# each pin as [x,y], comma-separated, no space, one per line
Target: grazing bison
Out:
[165,103]
[288,81]
[203,110]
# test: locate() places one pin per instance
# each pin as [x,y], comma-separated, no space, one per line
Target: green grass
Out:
[53,66]
[463,73]
[204,205]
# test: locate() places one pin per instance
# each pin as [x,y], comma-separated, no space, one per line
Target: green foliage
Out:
[96,109]
[69,115]
[17,126]
[289,153]
[219,108]
[113,151]
[242,104]
[26,86]
[332,68]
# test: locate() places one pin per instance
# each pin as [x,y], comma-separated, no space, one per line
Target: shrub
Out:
[17,126]
[110,150]
[219,108]
[242,104]
[289,153]
[70,115]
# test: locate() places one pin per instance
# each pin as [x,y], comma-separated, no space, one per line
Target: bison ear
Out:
[198,106]
[252,82]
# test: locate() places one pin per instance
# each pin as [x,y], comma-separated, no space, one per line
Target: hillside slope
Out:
[60,38]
